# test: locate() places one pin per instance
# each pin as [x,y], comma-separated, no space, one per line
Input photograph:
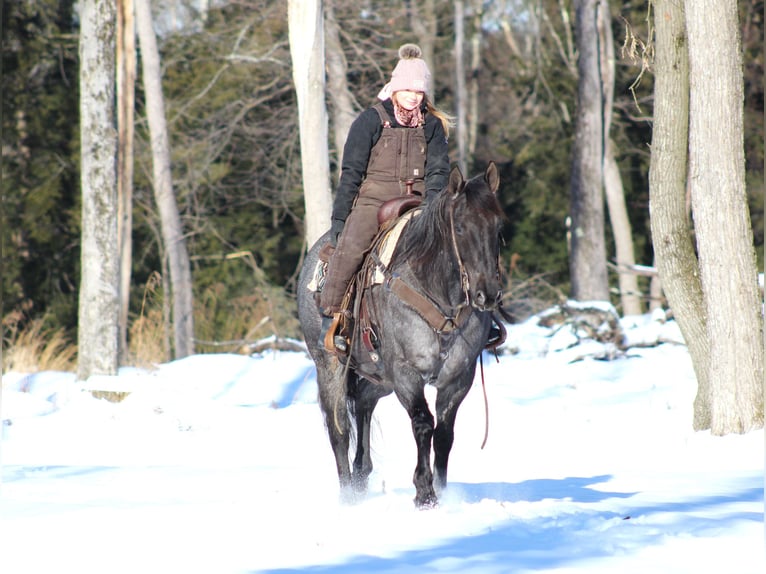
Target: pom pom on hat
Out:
[411,72]
[409,51]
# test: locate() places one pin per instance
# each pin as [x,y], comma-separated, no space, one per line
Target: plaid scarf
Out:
[408,118]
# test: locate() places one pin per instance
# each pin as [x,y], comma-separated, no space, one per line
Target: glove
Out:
[335,230]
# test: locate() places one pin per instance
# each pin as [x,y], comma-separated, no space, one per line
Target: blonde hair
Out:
[447,120]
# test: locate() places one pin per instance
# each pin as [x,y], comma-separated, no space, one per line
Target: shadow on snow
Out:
[561,536]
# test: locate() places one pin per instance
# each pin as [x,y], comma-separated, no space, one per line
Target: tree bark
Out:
[126,82]
[722,221]
[99,278]
[613,190]
[306,25]
[588,250]
[423,21]
[461,93]
[473,82]
[625,257]
[670,223]
[172,231]
[343,112]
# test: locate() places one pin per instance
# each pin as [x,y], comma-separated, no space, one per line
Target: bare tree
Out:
[461,93]
[670,219]
[588,251]
[172,232]
[307,49]
[613,189]
[423,22]
[341,100]
[728,271]
[99,282]
[126,81]
[473,81]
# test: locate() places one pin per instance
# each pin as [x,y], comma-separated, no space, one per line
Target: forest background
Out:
[233,127]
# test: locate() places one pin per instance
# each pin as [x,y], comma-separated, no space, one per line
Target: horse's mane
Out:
[428,240]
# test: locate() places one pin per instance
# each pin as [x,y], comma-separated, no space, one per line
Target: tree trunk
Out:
[337,69]
[424,25]
[613,190]
[172,231]
[307,50]
[126,82]
[99,280]
[722,221]
[671,227]
[588,251]
[623,234]
[461,94]
[473,83]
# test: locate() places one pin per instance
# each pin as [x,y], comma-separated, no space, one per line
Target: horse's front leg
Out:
[448,400]
[423,430]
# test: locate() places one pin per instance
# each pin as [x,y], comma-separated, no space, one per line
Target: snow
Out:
[220,464]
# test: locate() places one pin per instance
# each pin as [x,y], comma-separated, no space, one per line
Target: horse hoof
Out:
[426,502]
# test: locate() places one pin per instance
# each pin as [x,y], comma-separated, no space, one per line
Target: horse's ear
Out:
[455,180]
[492,177]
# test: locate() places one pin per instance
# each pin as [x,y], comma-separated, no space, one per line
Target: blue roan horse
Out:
[447,255]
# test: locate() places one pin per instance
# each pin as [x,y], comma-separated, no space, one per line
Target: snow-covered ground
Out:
[219,464]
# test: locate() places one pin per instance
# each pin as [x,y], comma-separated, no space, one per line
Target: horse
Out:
[448,256]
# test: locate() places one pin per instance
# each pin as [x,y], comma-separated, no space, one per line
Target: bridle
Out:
[465,284]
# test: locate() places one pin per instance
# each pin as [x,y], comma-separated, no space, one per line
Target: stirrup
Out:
[330,338]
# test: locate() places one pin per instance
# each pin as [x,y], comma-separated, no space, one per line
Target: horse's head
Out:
[475,219]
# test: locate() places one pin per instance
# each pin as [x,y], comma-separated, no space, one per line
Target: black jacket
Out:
[363,135]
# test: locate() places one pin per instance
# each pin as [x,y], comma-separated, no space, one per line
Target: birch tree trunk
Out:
[343,112]
[170,220]
[733,306]
[99,278]
[587,263]
[126,82]
[306,23]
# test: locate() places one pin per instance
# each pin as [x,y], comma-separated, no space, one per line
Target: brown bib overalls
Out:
[398,156]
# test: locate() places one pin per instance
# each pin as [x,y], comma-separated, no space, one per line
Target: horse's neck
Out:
[439,279]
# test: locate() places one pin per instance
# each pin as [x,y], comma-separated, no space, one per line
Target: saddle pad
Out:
[388,244]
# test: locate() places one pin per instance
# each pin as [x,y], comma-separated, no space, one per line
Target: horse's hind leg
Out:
[365,396]
[332,400]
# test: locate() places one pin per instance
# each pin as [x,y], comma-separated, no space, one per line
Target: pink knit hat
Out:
[411,73]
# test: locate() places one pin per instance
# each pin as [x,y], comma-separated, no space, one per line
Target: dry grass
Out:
[148,338]
[31,347]
[232,325]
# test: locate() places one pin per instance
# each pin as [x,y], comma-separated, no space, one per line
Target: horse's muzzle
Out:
[480,301]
